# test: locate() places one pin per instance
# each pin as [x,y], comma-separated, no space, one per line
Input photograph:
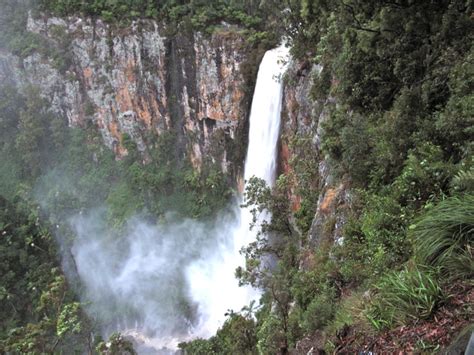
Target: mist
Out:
[158,282]
[175,280]
[153,279]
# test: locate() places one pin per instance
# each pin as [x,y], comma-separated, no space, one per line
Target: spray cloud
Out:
[175,281]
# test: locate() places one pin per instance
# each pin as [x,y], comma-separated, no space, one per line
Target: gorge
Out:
[153,273]
[172,180]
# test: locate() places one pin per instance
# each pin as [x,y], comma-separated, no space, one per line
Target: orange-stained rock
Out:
[240,184]
[124,99]
[328,200]
[140,83]
[115,131]
[87,72]
[145,111]
[284,158]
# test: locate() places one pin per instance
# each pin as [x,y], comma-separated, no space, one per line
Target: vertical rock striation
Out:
[302,119]
[140,82]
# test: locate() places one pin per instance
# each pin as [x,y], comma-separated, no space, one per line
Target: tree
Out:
[32,133]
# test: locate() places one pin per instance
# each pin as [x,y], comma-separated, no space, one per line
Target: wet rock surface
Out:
[141,82]
[303,118]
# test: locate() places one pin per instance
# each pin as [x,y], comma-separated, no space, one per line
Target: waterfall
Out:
[213,285]
[161,284]
[265,117]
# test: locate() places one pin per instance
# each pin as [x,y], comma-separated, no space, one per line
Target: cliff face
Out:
[302,127]
[140,82]
[144,82]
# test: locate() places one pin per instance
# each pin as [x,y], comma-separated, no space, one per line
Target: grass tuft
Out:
[401,296]
[443,237]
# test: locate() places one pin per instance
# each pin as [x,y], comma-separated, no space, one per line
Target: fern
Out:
[463,180]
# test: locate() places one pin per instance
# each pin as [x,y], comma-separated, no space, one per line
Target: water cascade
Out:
[212,282]
[165,283]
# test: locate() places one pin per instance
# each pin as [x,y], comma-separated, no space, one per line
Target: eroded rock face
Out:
[139,82]
[302,118]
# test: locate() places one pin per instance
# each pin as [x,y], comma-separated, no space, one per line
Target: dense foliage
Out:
[401,137]
[200,12]
[38,312]
[257,21]
[66,171]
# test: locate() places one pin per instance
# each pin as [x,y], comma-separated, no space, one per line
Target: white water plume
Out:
[174,282]
[213,285]
[134,281]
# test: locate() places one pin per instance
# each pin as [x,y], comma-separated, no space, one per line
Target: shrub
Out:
[198,347]
[374,240]
[237,335]
[116,344]
[383,228]
[319,312]
[463,180]
[271,336]
[349,314]
[424,176]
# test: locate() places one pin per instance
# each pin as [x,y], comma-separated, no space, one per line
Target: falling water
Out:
[166,283]
[212,282]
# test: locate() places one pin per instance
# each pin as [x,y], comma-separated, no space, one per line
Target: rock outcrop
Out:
[137,81]
[302,119]
[143,82]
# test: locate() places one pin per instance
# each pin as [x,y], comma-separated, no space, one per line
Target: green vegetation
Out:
[68,170]
[116,345]
[38,311]
[305,174]
[444,237]
[237,336]
[251,17]
[400,137]
[403,295]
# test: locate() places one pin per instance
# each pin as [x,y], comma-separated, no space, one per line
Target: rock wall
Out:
[143,82]
[140,82]
[303,117]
